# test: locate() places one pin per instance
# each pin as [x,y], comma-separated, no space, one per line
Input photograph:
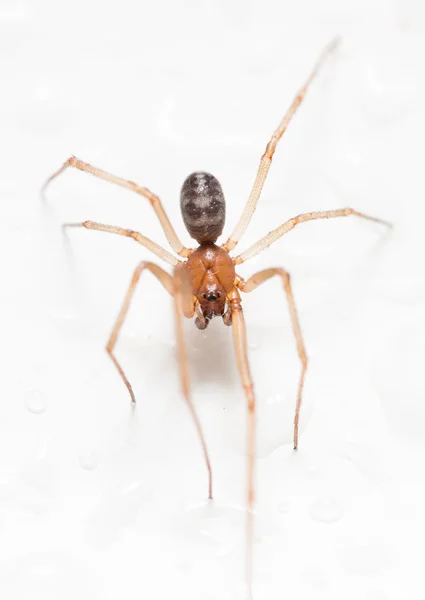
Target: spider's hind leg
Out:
[153,199]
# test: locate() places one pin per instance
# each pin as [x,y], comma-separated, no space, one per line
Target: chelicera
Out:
[204,283]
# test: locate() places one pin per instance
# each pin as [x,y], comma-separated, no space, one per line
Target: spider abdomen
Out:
[203,207]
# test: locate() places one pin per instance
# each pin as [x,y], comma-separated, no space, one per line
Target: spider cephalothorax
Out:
[212,274]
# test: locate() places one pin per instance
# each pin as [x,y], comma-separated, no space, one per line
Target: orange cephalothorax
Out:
[212,274]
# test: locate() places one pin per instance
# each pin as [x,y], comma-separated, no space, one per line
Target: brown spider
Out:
[206,284]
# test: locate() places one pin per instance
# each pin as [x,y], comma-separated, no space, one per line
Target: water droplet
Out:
[314,472]
[14,12]
[315,577]
[35,401]
[326,509]
[274,424]
[220,525]
[185,566]
[283,507]
[254,344]
[242,592]
[219,530]
[366,560]
[275,399]
[88,459]
[378,596]
[42,92]
[403,351]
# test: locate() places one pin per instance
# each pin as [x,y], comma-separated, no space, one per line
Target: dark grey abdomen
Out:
[203,206]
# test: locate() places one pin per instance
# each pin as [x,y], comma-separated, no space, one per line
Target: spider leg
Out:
[155,202]
[266,159]
[240,342]
[135,235]
[167,282]
[184,306]
[252,284]
[288,225]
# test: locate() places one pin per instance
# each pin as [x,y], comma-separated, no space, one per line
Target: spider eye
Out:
[211,296]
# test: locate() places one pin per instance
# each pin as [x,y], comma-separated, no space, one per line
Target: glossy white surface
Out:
[100,502]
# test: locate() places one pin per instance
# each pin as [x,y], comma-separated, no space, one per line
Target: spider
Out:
[205,283]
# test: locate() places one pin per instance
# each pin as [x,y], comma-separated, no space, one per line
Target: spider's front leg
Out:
[240,342]
[167,282]
[252,284]
[185,305]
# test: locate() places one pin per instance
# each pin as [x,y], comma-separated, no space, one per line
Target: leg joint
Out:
[140,267]
[235,304]
[249,391]
[286,278]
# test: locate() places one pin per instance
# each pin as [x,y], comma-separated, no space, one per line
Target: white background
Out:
[100,502]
